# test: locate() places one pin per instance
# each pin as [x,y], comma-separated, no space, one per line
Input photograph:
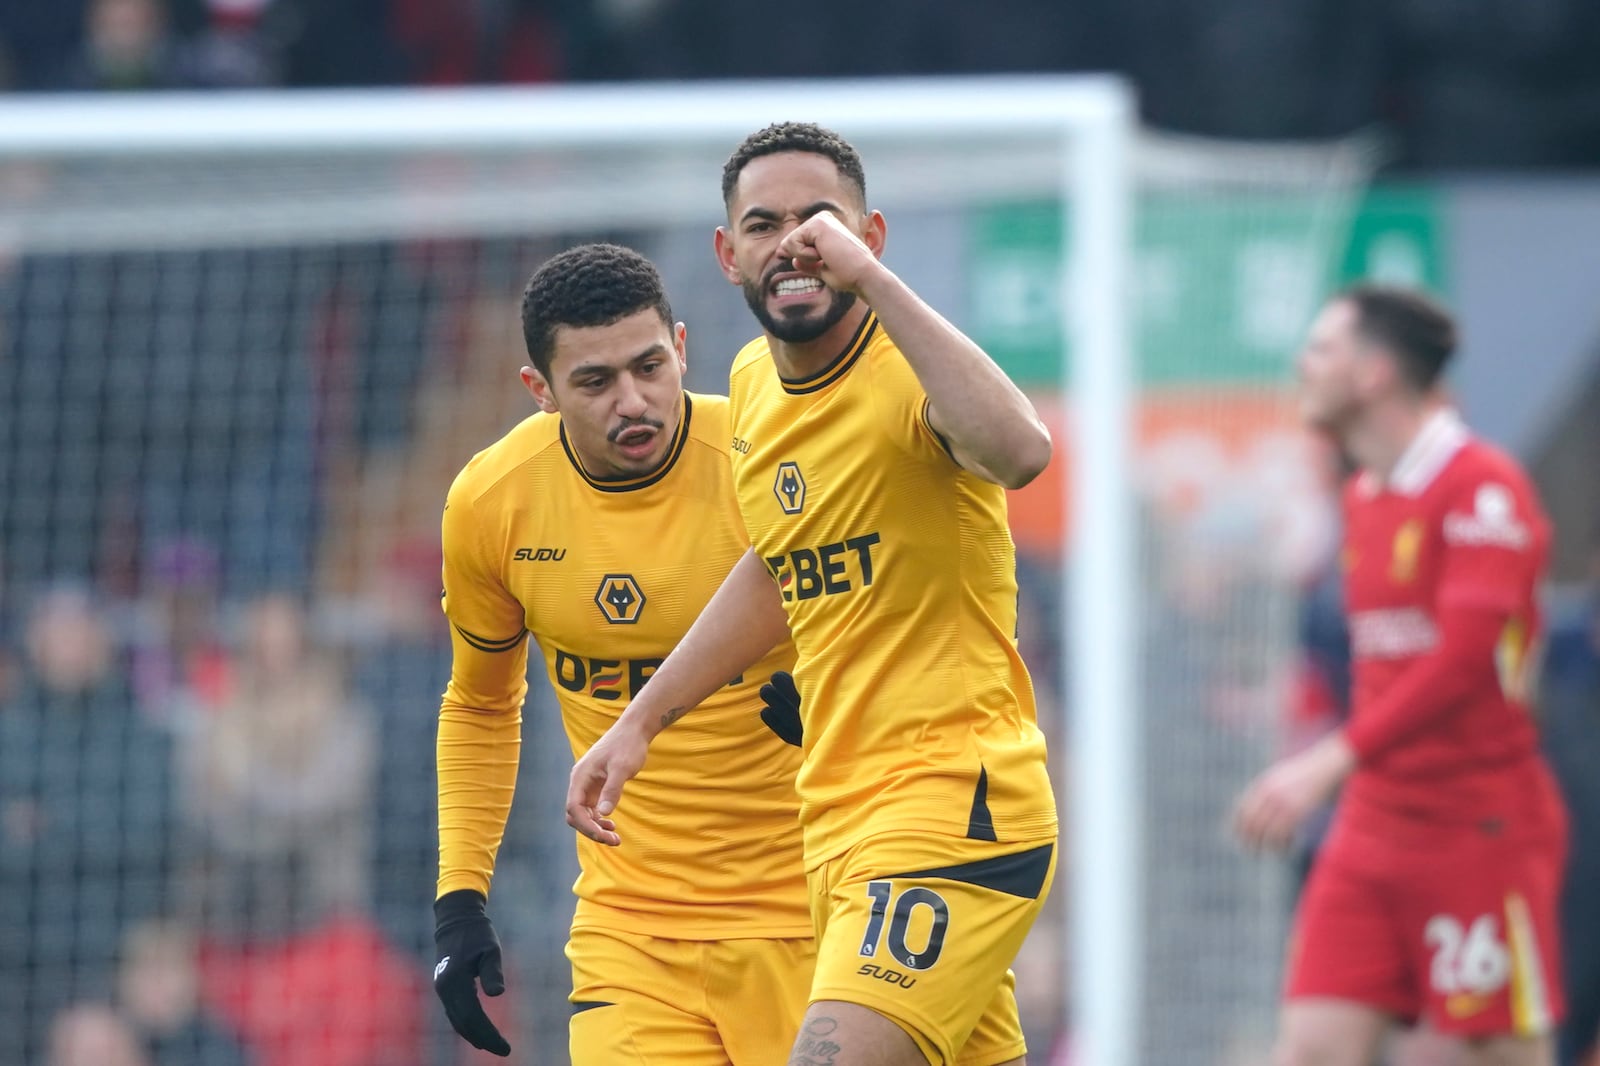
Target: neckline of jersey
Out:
[839,366]
[641,481]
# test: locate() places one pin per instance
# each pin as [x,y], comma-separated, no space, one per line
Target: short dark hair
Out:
[1411,325]
[794,137]
[589,285]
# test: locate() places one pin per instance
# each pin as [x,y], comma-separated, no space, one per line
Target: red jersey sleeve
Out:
[1435,684]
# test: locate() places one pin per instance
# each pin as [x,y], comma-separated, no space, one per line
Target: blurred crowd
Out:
[208,851]
[216,835]
[1480,83]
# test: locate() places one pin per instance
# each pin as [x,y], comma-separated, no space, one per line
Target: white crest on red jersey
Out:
[1492,523]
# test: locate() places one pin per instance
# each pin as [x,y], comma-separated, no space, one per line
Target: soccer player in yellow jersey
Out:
[872,442]
[602,526]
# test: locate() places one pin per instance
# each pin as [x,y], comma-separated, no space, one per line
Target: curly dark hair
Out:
[795,137]
[589,285]
[1411,325]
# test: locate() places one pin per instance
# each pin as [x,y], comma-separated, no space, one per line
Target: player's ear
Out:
[877,233]
[722,241]
[539,389]
[680,343]
[1374,372]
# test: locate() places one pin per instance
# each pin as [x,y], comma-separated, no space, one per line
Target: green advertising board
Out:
[1224,284]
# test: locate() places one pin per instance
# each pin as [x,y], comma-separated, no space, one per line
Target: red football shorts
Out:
[1457,928]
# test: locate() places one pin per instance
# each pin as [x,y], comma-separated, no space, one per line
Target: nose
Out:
[630,399]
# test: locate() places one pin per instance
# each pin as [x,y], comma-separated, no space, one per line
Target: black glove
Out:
[468,952]
[782,710]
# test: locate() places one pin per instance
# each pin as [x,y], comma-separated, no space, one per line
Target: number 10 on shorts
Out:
[902,915]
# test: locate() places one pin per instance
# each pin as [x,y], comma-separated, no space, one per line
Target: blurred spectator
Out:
[278,793]
[180,666]
[333,995]
[278,784]
[235,48]
[133,44]
[158,1018]
[84,819]
[457,42]
[126,45]
[94,1036]
[159,993]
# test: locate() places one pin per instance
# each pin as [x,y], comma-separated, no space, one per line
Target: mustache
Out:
[635,423]
[785,266]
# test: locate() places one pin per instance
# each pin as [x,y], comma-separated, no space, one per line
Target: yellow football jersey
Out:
[607,576]
[898,573]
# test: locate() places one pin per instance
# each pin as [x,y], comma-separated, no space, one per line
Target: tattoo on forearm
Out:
[672,716]
[812,1047]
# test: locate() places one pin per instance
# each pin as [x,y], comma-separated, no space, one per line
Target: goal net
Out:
[246,342]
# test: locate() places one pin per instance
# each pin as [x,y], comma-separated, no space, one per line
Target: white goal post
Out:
[1083,134]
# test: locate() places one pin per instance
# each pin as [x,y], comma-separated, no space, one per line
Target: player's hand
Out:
[598,777]
[1285,795]
[824,247]
[782,710]
[469,952]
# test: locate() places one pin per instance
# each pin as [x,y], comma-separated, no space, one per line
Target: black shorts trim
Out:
[1020,874]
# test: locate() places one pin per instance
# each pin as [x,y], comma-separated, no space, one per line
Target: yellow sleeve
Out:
[902,407]
[480,717]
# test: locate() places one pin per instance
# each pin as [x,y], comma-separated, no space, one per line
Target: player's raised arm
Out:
[741,623]
[990,427]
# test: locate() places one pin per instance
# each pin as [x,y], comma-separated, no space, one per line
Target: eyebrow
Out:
[655,350]
[769,215]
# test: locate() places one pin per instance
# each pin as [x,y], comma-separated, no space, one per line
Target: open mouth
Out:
[636,441]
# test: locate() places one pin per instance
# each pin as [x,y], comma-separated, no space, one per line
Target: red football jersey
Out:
[1455,539]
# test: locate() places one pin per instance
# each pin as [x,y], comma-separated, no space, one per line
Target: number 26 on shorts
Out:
[901,915]
[1469,958]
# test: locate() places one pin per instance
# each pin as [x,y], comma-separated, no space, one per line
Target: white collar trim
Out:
[1429,452]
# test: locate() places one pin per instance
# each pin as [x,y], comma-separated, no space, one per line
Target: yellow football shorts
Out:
[923,929]
[640,1000]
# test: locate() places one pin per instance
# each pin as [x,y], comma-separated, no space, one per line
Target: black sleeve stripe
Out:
[491,646]
[936,434]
